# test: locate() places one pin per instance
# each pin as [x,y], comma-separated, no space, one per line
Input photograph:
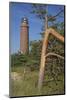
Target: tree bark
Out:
[43,60]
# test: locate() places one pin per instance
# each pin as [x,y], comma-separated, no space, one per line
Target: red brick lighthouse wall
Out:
[24,36]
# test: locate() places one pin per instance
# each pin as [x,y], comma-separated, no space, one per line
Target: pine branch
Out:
[52,17]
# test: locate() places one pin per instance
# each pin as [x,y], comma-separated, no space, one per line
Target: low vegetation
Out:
[26,85]
[25,72]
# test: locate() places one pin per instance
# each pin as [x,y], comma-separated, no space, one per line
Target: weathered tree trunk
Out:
[43,54]
[43,59]
[44,48]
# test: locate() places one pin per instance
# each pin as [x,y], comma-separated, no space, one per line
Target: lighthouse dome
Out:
[24,20]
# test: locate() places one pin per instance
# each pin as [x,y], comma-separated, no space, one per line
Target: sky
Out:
[17,11]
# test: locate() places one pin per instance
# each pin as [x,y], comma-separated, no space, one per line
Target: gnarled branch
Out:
[54,54]
[55,34]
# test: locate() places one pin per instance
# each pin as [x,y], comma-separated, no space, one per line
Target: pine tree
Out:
[41,12]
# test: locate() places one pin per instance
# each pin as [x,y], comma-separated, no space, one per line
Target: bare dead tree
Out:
[43,54]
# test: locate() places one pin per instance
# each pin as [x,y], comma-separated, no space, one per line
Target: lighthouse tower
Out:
[24,36]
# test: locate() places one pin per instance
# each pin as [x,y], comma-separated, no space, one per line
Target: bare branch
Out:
[54,54]
[55,34]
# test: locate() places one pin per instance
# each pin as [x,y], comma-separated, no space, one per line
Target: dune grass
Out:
[27,85]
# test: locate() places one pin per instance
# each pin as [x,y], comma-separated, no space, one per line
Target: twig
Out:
[56,14]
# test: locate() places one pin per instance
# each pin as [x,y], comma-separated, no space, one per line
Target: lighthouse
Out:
[24,36]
